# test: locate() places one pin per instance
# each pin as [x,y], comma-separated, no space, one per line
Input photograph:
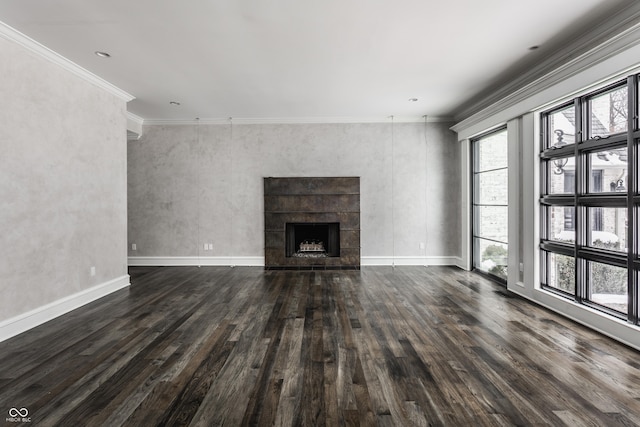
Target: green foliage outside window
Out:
[604,279]
[498,255]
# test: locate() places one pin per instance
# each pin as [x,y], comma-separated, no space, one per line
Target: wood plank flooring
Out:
[404,346]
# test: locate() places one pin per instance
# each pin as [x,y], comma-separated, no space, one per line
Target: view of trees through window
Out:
[588,253]
[490,204]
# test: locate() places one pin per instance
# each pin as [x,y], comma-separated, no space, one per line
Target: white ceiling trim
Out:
[299,120]
[134,126]
[521,101]
[133,120]
[132,136]
[512,95]
[16,36]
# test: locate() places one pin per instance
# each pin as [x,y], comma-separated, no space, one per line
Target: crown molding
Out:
[134,118]
[134,126]
[133,136]
[16,36]
[180,122]
[297,120]
[612,36]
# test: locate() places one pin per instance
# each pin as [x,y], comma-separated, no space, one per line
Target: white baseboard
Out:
[406,260]
[151,261]
[461,264]
[31,319]
[143,261]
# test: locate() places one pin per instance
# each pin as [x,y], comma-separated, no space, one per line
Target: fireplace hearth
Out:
[312,223]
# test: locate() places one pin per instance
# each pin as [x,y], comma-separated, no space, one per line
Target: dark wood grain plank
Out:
[381,346]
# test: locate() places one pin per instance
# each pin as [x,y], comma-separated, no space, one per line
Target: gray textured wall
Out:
[62,183]
[193,184]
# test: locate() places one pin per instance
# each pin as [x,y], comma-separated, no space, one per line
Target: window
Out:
[490,204]
[590,200]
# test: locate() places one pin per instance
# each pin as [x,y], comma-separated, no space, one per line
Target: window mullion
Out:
[580,187]
[632,189]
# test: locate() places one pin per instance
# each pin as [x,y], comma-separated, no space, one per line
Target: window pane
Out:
[608,228]
[608,171]
[490,222]
[490,199]
[562,129]
[491,257]
[491,152]
[608,113]
[562,272]
[492,188]
[561,176]
[561,223]
[608,286]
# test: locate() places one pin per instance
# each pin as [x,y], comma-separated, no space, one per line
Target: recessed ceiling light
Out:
[102,54]
[413,99]
[174,103]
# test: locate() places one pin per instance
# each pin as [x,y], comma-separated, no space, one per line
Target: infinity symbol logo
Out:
[22,412]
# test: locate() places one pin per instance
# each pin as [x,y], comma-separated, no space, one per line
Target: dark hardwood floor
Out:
[381,346]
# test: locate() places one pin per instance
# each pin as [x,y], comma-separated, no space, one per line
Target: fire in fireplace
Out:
[312,239]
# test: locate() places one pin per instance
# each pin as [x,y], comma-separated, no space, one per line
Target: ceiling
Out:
[296,59]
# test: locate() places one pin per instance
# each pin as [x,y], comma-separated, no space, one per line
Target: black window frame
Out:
[576,203]
[475,204]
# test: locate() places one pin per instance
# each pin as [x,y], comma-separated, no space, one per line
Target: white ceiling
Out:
[292,59]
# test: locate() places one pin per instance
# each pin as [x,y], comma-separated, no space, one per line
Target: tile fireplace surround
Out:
[313,201]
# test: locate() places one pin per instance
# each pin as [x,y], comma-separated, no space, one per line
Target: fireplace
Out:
[312,223]
[312,239]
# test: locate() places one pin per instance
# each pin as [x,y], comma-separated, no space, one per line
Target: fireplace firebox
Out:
[312,240]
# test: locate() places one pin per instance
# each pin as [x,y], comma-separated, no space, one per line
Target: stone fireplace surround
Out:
[312,200]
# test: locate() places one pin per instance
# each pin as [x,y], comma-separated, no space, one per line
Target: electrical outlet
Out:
[421,245]
[134,247]
[93,271]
